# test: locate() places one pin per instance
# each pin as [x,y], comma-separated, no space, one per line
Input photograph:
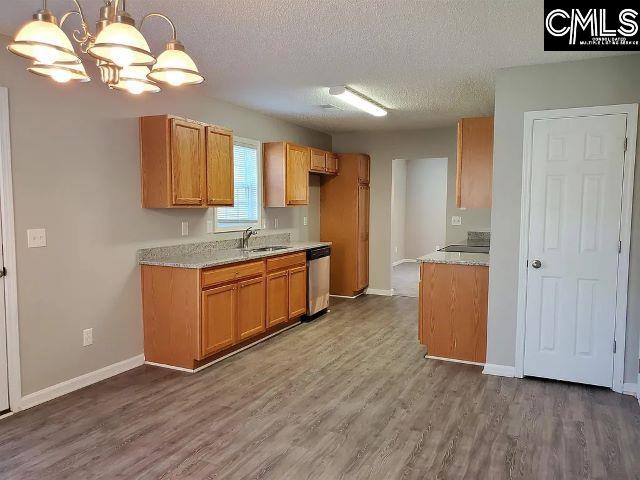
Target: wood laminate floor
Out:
[346,397]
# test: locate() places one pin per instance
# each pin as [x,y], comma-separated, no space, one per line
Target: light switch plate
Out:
[275,223]
[455,220]
[36,238]
[87,337]
[305,220]
[185,229]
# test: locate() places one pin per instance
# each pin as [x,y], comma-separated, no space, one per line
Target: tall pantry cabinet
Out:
[344,221]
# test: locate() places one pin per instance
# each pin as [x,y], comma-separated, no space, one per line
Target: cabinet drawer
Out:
[231,273]
[286,261]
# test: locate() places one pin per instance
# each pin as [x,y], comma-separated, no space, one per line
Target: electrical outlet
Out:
[275,223]
[395,249]
[36,237]
[455,220]
[305,221]
[209,226]
[87,337]
[185,229]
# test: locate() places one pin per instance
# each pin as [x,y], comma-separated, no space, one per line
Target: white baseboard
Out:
[404,260]
[630,388]
[499,370]
[454,360]
[77,383]
[377,291]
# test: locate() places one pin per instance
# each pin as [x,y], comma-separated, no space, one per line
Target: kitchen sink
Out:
[273,248]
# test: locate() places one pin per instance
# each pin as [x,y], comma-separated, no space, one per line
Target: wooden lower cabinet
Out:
[251,308]
[453,303]
[194,315]
[277,298]
[297,291]
[218,319]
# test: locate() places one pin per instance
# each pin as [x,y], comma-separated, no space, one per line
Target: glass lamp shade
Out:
[134,80]
[123,45]
[175,67]
[43,42]
[61,73]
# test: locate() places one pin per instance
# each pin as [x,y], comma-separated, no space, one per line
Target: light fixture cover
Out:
[61,73]
[175,68]
[123,45]
[134,80]
[44,42]
[358,100]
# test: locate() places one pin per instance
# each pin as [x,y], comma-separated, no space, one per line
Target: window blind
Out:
[245,203]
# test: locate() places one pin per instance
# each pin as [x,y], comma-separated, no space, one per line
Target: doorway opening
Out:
[418,217]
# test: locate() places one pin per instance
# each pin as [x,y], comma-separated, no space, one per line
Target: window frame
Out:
[219,227]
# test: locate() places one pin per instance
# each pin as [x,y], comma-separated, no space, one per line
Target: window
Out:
[247,197]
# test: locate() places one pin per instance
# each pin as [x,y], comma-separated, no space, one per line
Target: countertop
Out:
[456,258]
[225,256]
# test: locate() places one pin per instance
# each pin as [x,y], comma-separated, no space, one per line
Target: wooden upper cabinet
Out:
[219,166]
[251,308]
[297,291]
[286,174]
[364,169]
[475,162]
[318,161]
[185,163]
[218,319]
[331,163]
[188,167]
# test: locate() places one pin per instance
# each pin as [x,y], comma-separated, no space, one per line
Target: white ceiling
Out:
[429,61]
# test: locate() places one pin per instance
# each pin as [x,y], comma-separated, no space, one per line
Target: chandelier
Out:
[121,52]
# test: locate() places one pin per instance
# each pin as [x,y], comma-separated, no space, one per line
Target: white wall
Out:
[398,208]
[384,147]
[76,173]
[602,81]
[426,214]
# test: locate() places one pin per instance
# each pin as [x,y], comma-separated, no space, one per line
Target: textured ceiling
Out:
[430,62]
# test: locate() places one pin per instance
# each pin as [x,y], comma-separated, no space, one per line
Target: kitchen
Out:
[151,332]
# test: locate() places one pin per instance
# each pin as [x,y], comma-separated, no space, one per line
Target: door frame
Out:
[9,248]
[631,110]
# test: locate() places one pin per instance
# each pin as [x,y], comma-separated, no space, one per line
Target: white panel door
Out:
[574,231]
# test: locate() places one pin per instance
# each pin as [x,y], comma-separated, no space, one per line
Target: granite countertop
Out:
[456,258]
[224,256]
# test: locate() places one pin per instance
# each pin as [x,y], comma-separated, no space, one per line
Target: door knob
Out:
[536,264]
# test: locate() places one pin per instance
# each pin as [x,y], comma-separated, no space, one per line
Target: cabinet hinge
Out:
[626,143]
[615,347]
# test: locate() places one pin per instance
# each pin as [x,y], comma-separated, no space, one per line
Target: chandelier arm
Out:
[163,16]
[83,36]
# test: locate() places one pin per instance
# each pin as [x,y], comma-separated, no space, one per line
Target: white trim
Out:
[631,110]
[346,296]
[499,370]
[378,291]
[404,260]
[235,352]
[82,381]
[239,227]
[9,252]
[630,388]
[453,360]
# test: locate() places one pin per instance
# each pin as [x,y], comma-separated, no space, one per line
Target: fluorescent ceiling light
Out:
[357,100]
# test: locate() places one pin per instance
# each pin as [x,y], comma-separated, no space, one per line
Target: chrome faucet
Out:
[246,235]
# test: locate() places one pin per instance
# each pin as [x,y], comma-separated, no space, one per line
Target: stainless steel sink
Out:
[273,248]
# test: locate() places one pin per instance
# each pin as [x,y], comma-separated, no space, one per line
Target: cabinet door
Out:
[475,162]
[363,236]
[188,167]
[332,163]
[277,298]
[218,319]
[251,308]
[297,291]
[219,167]
[364,169]
[318,161]
[297,189]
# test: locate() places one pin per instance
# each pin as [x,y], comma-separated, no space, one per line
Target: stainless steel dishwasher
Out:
[318,268]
